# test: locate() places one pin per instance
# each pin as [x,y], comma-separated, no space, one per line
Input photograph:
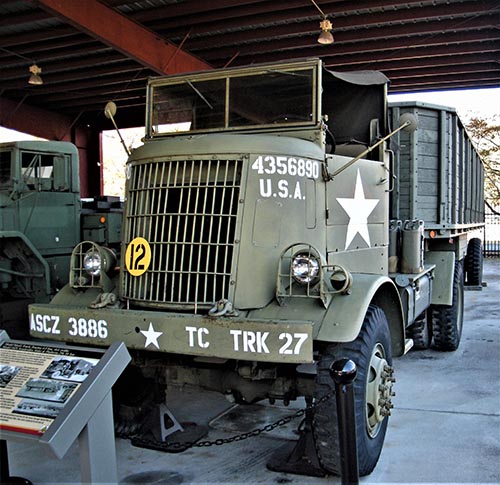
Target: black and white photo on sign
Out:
[7,373]
[47,390]
[34,407]
[69,368]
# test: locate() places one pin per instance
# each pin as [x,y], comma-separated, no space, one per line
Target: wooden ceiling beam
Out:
[307,47]
[352,39]
[419,54]
[423,61]
[91,62]
[52,50]
[33,36]
[371,28]
[449,86]
[281,12]
[446,82]
[457,70]
[23,18]
[118,31]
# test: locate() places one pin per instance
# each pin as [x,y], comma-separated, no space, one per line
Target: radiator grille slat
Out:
[186,210]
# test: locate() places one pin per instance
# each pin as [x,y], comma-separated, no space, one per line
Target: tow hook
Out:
[223,308]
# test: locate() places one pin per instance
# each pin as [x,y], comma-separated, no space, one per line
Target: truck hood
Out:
[226,144]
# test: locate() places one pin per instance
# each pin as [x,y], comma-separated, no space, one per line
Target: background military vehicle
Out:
[42,218]
[289,221]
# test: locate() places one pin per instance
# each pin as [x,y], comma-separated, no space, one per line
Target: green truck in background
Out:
[42,219]
[277,218]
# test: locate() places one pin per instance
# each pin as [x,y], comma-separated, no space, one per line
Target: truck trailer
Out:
[278,218]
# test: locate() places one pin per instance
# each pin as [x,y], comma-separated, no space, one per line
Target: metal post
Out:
[97,446]
[4,468]
[4,462]
[343,372]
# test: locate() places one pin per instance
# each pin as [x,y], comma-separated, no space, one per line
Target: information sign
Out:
[56,394]
[37,381]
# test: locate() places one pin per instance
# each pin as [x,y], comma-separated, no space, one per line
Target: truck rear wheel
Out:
[421,332]
[447,321]
[371,352]
[474,262]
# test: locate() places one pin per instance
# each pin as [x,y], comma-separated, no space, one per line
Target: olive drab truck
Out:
[277,218]
[42,219]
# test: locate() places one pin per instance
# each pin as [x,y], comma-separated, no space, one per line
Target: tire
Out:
[447,321]
[371,352]
[421,332]
[474,263]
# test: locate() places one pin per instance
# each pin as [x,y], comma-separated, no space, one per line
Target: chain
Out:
[183,446]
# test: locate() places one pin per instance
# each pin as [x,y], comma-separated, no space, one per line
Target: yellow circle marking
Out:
[137,256]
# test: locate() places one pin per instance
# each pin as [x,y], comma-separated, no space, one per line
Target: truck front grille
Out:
[187,211]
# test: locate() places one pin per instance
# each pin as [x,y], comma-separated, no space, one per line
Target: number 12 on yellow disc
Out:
[138,256]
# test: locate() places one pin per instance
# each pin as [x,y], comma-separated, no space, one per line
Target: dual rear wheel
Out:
[441,325]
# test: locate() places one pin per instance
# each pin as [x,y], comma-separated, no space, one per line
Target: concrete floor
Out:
[445,427]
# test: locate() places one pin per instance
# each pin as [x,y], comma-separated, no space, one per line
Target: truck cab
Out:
[39,217]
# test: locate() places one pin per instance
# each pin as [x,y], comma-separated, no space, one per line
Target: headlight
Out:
[92,262]
[305,268]
[99,260]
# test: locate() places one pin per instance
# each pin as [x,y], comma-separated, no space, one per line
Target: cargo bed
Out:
[439,177]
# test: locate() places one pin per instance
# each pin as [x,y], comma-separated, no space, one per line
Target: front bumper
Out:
[224,337]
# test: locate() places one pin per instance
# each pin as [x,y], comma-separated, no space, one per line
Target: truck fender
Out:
[345,315]
[82,297]
[34,250]
[68,296]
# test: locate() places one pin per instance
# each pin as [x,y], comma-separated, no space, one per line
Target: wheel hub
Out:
[379,392]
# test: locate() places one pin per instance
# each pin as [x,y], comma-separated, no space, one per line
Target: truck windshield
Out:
[265,98]
[37,170]
[5,167]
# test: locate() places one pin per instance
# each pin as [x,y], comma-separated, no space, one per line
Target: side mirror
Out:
[110,110]
[409,122]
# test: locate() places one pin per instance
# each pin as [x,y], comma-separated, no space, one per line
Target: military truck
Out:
[42,219]
[290,220]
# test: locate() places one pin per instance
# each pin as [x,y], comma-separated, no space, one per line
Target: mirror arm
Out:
[109,112]
[368,150]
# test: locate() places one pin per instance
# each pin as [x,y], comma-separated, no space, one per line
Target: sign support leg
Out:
[97,446]
[4,468]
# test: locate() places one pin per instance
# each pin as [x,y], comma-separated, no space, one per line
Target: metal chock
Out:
[299,457]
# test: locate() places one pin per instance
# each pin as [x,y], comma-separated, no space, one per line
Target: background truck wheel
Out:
[447,321]
[371,352]
[421,332]
[474,262]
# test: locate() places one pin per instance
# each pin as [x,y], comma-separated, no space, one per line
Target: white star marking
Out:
[151,336]
[358,210]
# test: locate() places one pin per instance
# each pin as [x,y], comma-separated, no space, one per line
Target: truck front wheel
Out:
[371,352]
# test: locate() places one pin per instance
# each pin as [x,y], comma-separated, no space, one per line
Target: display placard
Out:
[37,381]
[56,394]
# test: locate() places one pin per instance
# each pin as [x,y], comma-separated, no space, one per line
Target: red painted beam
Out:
[125,35]
[37,122]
